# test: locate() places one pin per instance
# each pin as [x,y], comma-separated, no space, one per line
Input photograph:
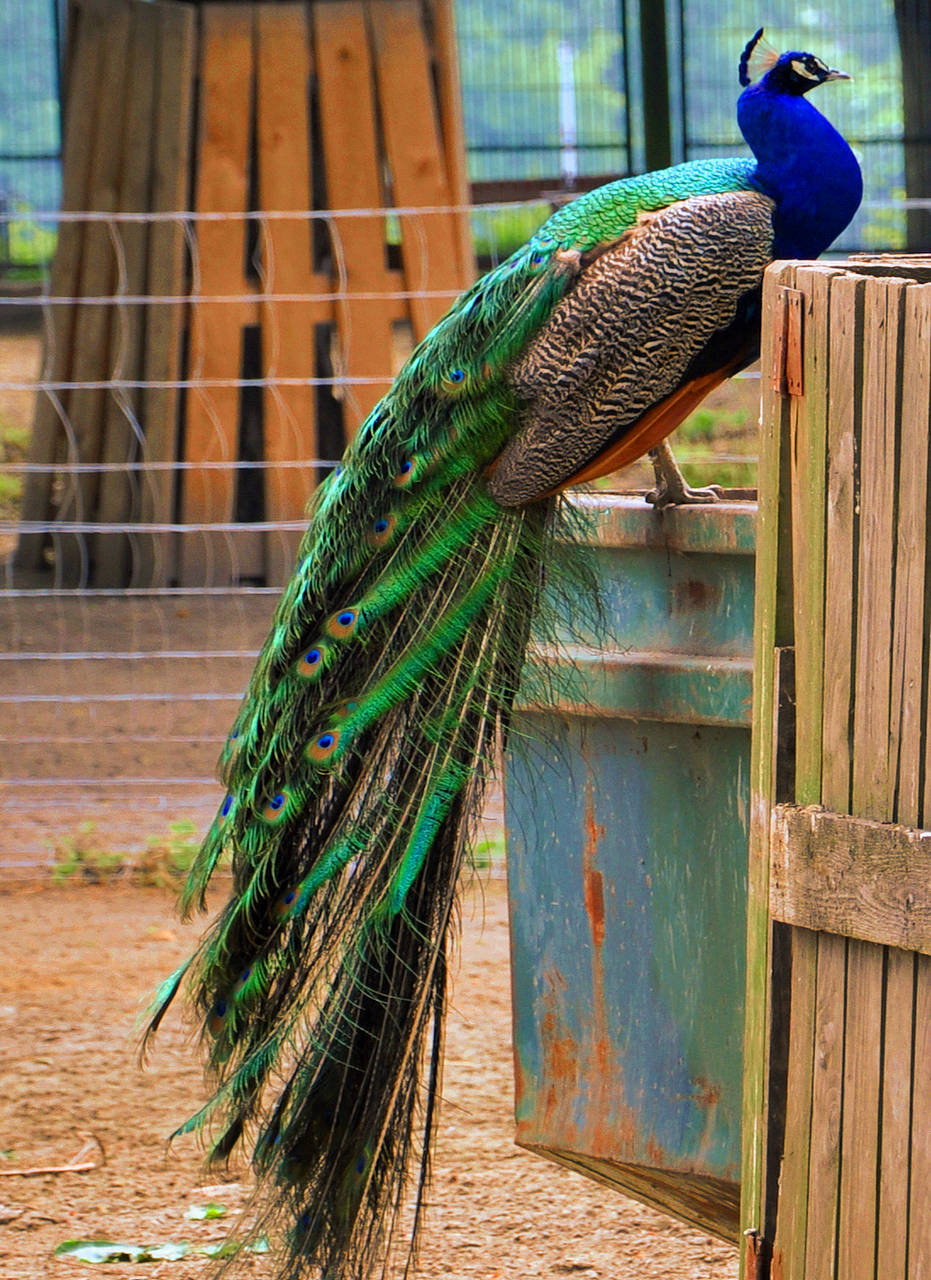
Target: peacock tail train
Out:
[358,758]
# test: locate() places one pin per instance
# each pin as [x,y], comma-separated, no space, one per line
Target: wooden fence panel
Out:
[851,881]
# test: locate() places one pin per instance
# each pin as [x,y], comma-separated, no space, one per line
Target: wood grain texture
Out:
[91,355]
[871,772]
[840,560]
[353,179]
[173,142]
[449,93]
[919,1239]
[826,1106]
[857,1214]
[86,52]
[416,159]
[772,628]
[284,159]
[121,425]
[208,556]
[892,1227]
[789,1246]
[851,876]
[808,425]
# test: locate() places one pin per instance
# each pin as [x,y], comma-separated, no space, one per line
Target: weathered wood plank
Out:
[843,435]
[284,161]
[91,334]
[851,876]
[809,413]
[910,365]
[449,92]
[121,431]
[416,160]
[908,637]
[772,628]
[86,46]
[826,1100]
[789,1246]
[347,125]
[896,1116]
[856,1250]
[156,553]
[870,792]
[919,1222]
[212,420]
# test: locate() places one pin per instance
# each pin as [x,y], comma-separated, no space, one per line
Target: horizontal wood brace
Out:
[834,873]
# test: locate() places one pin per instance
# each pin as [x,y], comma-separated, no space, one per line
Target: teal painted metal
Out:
[626,811]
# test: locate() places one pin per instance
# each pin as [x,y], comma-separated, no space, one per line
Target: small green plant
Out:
[488,853]
[163,863]
[83,856]
[167,859]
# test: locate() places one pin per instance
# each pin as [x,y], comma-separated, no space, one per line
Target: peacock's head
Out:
[793,73]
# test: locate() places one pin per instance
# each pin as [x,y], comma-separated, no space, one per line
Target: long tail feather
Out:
[354,770]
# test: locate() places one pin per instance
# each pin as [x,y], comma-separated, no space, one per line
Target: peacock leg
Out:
[670,482]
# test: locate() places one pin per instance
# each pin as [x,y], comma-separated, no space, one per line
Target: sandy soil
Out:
[76,962]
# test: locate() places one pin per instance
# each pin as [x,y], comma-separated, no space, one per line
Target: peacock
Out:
[358,757]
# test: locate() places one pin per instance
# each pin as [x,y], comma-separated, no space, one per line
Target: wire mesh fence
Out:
[128,623]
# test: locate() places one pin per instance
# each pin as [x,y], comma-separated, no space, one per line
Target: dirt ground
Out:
[75,964]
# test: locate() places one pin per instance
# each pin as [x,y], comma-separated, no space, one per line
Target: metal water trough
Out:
[627,821]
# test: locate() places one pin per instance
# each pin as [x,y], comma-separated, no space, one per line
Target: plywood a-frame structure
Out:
[245,316]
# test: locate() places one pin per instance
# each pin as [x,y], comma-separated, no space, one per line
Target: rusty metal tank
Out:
[626,815]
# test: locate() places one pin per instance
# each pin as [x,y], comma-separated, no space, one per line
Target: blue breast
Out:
[804,165]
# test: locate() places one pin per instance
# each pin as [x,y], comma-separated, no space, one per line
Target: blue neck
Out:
[803,164]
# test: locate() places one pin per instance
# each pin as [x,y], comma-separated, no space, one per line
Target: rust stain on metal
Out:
[593,886]
[656,1153]
[595,904]
[756,1258]
[708,1094]
[694,594]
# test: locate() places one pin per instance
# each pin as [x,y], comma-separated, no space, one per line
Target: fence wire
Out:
[116,695]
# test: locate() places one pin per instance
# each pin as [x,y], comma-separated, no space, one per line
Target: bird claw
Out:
[666,495]
[671,488]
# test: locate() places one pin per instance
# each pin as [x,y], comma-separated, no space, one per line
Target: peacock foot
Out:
[671,488]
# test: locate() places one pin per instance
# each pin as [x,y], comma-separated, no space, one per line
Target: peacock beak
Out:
[834,74]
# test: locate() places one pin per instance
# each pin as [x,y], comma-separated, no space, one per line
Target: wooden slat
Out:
[772,628]
[808,480]
[919,1239]
[87,44]
[91,360]
[415,156]
[905,767]
[827,1088]
[449,93]
[120,429]
[212,419]
[860,1126]
[347,124]
[870,792]
[851,876]
[896,1116]
[283,140]
[792,1218]
[155,564]
[843,435]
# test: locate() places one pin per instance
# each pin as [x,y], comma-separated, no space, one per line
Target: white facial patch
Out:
[801,69]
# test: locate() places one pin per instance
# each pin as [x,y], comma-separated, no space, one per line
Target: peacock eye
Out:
[457,375]
[538,259]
